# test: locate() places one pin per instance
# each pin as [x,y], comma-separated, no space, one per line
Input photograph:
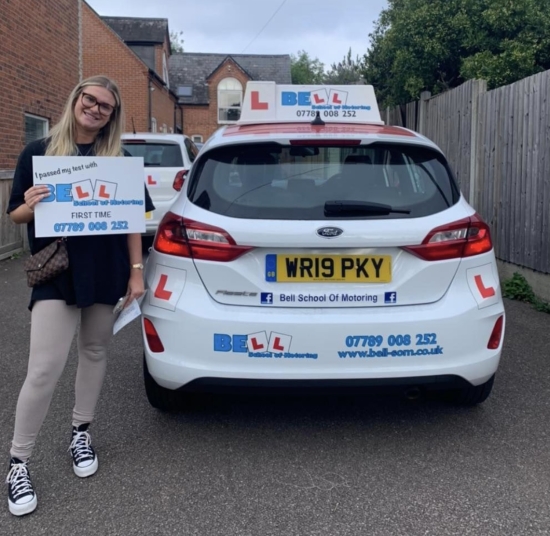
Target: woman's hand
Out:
[136,286]
[35,194]
[24,213]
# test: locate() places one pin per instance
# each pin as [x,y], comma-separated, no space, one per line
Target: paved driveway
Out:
[258,467]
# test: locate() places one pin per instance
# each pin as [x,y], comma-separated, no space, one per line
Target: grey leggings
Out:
[53,326]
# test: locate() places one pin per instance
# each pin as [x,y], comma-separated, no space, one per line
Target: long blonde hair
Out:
[61,138]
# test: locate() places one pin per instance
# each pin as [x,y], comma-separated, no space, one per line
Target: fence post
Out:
[12,236]
[422,111]
[478,88]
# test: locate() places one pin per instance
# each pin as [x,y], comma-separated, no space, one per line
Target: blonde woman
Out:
[101,270]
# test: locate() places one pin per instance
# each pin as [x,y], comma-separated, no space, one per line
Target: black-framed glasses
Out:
[89,101]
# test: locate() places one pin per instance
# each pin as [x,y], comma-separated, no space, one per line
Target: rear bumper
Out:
[208,344]
[312,387]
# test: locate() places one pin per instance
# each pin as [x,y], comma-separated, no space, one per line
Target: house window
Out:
[35,128]
[153,124]
[197,138]
[230,98]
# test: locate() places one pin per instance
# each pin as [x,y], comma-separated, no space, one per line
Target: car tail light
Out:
[496,335]
[179,180]
[187,238]
[153,339]
[464,238]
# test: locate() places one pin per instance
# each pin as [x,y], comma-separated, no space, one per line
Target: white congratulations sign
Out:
[89,195]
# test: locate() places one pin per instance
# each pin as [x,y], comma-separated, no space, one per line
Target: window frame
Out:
[219,108]
[45,121]
[165,74]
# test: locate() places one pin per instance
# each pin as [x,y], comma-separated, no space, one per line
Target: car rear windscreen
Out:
[305,182]
[156,154]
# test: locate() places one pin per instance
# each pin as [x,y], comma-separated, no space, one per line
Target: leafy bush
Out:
[517,288]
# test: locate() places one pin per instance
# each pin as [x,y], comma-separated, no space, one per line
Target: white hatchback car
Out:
[167,159]
[313,246]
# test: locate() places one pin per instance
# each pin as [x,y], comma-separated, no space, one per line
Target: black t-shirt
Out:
[99,265]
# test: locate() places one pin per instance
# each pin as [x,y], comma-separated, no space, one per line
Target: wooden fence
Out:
[498,144]
[11,235]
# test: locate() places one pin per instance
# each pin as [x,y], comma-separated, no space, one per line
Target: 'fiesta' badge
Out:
[329,232]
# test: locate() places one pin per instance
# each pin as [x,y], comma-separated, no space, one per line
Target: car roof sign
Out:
[268,102]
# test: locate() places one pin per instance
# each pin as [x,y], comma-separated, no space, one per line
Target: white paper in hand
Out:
[126,316]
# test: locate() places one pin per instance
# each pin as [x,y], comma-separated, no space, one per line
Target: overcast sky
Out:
[326,29]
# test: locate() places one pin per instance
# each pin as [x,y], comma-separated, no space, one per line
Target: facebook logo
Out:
[390,297]
[267,298]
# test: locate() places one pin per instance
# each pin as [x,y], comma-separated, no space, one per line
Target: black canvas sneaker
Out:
[21,496]
[84,457]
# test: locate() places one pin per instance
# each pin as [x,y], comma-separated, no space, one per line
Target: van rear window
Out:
[272,181]
[156,154]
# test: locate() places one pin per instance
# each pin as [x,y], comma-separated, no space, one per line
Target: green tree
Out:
[436,45]
[305,70]
[176,42]
[348,71]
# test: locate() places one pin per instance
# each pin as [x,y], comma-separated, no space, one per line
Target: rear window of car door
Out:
[163,154]
[272,181]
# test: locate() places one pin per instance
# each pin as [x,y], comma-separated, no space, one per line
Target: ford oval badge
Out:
[329,232]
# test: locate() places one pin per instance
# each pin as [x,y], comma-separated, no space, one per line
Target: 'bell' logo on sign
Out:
[338,97]
[257,342]
[278,342]
[319,97]
[104,191]
[82,191]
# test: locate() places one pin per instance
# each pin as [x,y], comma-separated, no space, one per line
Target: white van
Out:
[167,159]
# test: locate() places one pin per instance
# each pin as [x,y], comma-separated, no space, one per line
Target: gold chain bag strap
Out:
[47,263]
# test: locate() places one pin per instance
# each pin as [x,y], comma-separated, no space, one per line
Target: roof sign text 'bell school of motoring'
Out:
[267,102]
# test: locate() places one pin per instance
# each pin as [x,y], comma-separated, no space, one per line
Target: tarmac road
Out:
[288,466]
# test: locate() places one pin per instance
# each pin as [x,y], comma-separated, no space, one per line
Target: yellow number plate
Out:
[148,215]
[328,268]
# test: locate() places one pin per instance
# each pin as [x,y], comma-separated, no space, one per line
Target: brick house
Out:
[210,87]
[39,47]
[39,66]
[135,53]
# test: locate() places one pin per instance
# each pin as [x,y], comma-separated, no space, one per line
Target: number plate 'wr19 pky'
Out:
[286,268]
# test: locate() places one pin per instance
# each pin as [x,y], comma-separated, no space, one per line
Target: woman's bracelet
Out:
[31,209]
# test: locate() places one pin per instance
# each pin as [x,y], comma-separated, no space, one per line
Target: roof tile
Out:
[192,69]
[140,30]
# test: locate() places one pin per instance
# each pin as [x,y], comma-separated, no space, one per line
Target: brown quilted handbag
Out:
[47,263]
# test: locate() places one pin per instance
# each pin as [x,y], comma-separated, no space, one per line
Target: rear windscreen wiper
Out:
[360,208]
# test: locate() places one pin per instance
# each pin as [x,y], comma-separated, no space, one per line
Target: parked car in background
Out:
[167,159]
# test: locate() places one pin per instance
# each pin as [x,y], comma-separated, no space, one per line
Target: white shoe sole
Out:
[84,472]
[23,509]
